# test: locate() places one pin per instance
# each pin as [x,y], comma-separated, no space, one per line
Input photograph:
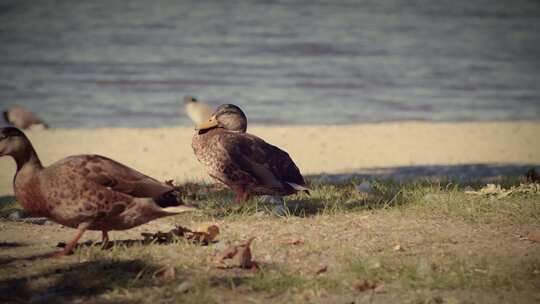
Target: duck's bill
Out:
[210,123]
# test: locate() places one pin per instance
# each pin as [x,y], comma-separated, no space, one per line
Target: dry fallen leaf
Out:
[212,231]
[534,235]
[398,247]
[165,273]
[237,256]
[207,235]
[292,242]
[379,288]
[321,269]
[184,287]
[363,285]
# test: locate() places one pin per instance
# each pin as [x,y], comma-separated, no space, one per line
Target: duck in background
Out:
[197,111]
[86,192]
[245,163]
[22,118]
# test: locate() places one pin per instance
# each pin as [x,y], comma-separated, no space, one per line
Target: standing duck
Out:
[197,111]
[22,118]
[244,162]
[85,192]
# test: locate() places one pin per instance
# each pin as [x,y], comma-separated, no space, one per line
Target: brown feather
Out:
[118,177]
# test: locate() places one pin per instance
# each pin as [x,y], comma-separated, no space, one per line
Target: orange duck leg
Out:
[68,249]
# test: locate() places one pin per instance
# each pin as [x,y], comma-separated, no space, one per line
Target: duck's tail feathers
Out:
[180,209]
[171,202]
[298,187]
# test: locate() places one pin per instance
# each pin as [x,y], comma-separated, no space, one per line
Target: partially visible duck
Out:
[22,118]
[197,111]
[244,162]
[86,192]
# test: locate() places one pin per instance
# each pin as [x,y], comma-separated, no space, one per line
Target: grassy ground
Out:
[415,242]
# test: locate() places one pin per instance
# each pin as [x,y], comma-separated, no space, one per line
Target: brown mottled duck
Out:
[86,192]
[244,162]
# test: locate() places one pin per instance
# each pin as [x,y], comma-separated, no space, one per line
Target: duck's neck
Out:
[26,182]
[27,158]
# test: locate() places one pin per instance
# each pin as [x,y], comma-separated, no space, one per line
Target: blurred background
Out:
[85,64]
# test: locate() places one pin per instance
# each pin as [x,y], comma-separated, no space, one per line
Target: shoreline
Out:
[165,152]
[287,124]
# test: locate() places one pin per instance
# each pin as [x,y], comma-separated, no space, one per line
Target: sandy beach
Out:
[165,153]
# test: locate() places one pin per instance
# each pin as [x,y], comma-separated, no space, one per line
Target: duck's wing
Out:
[118,177]
[267,163]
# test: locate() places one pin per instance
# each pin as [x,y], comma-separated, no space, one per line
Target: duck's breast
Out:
[213,149]
[28,191]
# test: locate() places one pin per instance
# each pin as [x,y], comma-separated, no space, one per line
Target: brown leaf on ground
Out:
[379,288]
[292,242]
[205,236]
[158,237]
[236,256]
[534,235]
[398,247]
[165,273]
[321,269]
[363,285]
[184,287]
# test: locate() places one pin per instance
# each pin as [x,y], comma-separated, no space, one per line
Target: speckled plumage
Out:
[91,189]
[244,162]
[85,191]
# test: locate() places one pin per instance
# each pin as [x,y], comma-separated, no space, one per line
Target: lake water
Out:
[129,63]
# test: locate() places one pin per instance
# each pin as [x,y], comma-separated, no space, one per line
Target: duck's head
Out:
[12,141]
[227,116]
[189,99]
